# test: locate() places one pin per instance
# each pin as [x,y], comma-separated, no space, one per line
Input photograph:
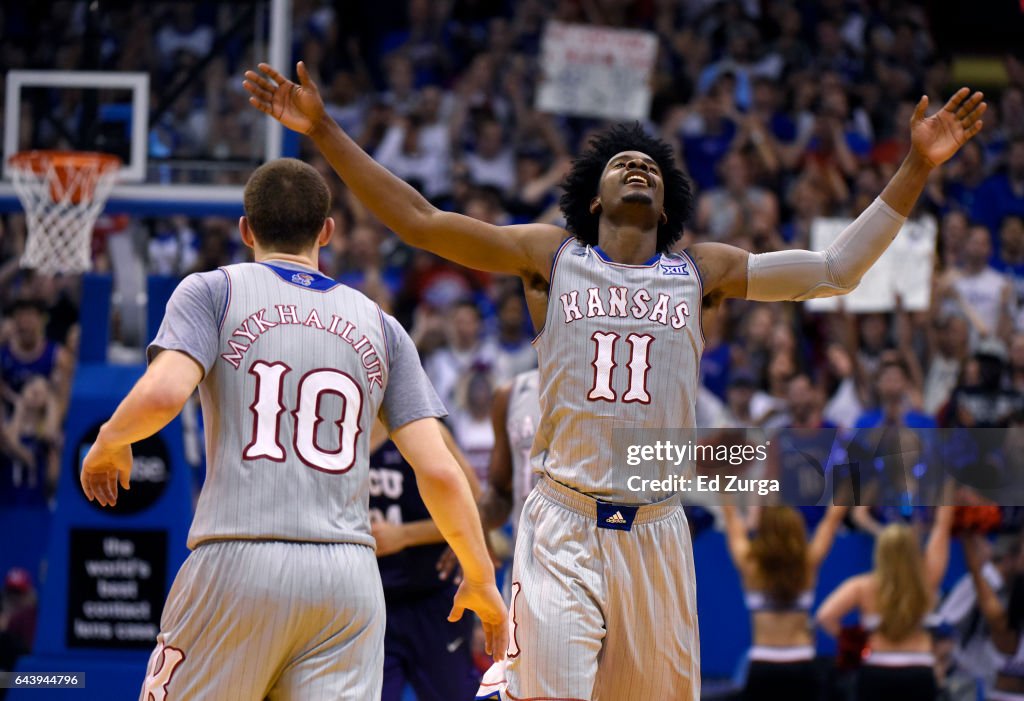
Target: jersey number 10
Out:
[267,409]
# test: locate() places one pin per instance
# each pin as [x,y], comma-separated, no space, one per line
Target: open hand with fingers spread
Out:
[297,106]
[938,137]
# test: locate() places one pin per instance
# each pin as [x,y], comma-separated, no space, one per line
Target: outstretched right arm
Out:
[523,250]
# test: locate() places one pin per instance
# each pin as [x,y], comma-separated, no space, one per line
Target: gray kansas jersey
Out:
[521,421]
[297,368]
[620,349]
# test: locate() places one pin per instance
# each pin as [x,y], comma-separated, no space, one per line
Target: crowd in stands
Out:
[783,112]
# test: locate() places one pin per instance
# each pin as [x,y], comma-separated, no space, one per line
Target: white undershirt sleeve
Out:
[798,275]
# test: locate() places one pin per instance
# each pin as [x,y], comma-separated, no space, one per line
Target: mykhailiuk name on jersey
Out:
[257,324]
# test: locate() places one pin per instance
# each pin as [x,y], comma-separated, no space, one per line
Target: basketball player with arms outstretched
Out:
[603,594]
[281,597]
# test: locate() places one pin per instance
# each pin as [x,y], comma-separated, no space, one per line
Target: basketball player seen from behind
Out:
[603,602]
[281,597]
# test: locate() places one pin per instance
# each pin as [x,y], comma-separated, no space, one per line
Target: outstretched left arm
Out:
[799,275]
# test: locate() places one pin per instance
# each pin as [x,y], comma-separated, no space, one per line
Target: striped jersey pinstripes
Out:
[620,349]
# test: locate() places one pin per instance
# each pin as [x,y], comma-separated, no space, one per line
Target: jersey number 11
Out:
[604,364]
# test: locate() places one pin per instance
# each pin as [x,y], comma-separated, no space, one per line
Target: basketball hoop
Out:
[63,192]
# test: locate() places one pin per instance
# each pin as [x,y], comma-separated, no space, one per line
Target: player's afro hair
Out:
[584,177]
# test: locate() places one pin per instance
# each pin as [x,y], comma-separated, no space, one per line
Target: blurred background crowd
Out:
[781,111]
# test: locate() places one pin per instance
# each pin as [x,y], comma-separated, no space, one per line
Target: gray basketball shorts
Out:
[603,601]
[248,620]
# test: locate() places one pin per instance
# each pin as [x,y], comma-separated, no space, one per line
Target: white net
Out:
[63,194]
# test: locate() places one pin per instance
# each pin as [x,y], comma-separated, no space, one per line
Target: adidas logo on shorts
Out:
[617,517]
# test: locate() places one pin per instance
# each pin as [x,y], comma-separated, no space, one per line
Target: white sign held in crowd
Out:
[596,71]
[904,270]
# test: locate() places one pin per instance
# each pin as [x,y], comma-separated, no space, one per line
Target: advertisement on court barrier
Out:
[116,588]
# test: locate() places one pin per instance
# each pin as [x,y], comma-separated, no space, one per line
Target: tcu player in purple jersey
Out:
[421,647]
[603,593]
[281,597]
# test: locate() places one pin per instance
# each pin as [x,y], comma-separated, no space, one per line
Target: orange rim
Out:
[36,161]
